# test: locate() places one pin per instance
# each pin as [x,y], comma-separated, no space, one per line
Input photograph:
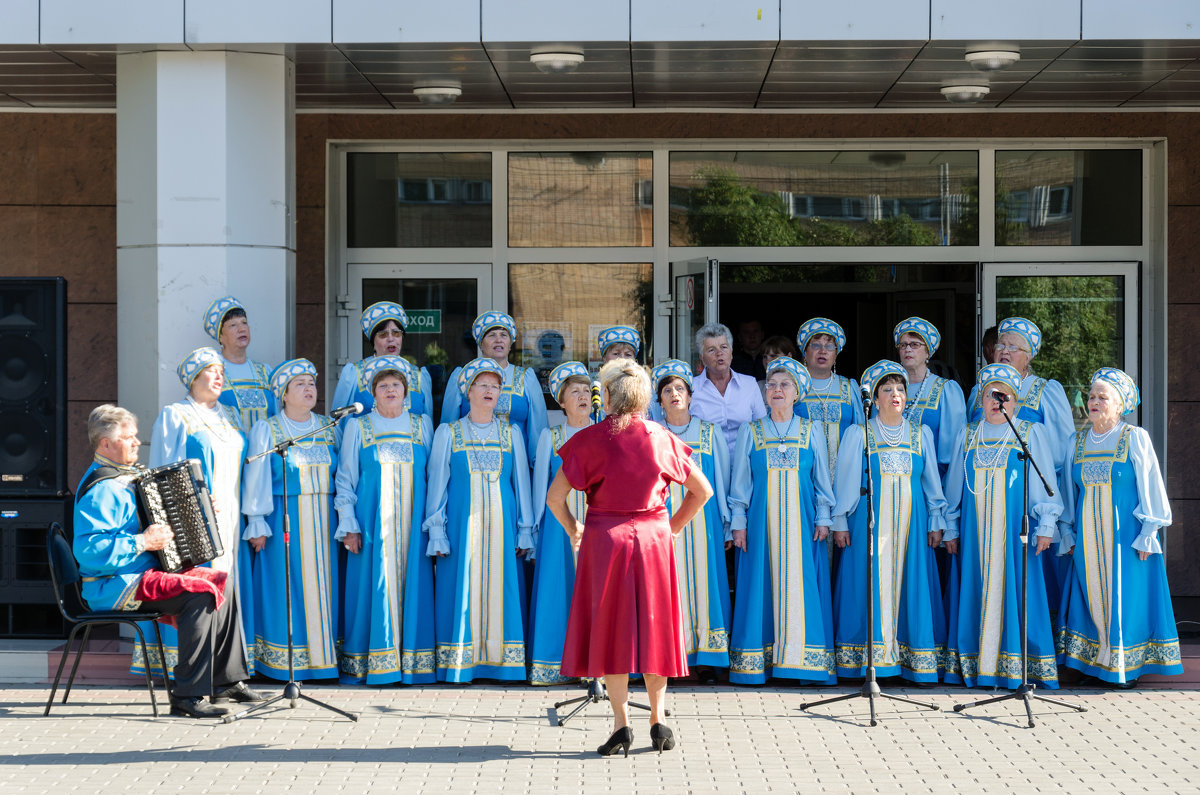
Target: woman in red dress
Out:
[625,610]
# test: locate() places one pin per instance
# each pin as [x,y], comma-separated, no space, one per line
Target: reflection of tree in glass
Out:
[1080,318]
[1008,231]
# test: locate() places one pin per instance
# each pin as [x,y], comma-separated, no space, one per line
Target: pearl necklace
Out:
[473,450]
[782,438]
[1102,439]
[833,387]
[909,406]
[220,431]
[294,429]
[978,442]
[891,435]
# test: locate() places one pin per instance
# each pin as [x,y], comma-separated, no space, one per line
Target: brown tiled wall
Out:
[57,217]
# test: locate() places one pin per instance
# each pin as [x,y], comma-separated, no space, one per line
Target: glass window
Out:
[559,310]
[579,199]
[836,198]
[1089,197]
[418,199]
[1082,319]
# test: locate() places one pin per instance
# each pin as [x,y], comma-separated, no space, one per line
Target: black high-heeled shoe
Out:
[661,737]
[622,738]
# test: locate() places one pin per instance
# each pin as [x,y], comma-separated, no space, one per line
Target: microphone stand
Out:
[291,690]
[1025,691]
[870,687]
[596,691]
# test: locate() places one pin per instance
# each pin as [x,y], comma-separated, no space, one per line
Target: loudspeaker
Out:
[33,387]
[27,602]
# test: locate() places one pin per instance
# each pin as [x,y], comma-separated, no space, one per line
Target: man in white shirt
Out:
[723,397]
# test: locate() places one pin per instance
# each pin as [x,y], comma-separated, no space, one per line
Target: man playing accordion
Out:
[120,573]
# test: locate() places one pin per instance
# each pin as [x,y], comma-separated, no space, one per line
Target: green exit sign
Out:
[424,321]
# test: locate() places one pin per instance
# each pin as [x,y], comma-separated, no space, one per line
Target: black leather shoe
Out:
[195,707]
[622,738]
[239,693]
[661,737]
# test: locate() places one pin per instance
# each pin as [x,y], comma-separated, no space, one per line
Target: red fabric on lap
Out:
[156,586]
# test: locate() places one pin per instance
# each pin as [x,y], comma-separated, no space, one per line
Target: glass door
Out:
[694,286]
[1087,312]
[441,302]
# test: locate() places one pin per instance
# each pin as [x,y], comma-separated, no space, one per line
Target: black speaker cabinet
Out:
[27,604]
[33,387]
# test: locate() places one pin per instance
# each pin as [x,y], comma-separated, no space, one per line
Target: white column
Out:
[205,198]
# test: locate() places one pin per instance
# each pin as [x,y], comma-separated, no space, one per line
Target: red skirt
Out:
[625,610]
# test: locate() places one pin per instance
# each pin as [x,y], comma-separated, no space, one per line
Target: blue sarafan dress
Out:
[1118,622]
[985,489]
[387,605]
[938,404]
[554,564]
[478,514]
[311,466]
[521,404]
[354,387]
[909,622]
[835,405]
[700,550]
[248,390]
[214,437]
[780,490]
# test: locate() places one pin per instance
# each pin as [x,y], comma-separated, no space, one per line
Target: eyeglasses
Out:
[774,385]
[909,346]
[822,346]
[487,387]
[1002,348]
[389,333]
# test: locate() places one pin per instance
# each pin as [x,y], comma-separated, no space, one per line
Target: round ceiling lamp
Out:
[965,94]
[993,60]
[556,62]
[438,92]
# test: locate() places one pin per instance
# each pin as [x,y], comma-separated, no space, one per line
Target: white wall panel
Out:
[112,21]
[705,20]
[875,20]
[1146,19]
[1010,19]
[18,21]
[555,20]
[258,21]
[387,21]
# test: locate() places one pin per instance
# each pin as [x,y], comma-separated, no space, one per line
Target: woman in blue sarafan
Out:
[831,399]
[933,401]
[780,498]
[555,559]
[985,489]
[480,524]
[387,605]
[1118,622]
[247,383]
[700,546]
[384,324]
[1043,401]
[520,403]
[311,466]
[909,630]
[201,427]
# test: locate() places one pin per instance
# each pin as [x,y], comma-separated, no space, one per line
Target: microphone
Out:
[596,396]
[999,396]
[866,396]
[346,411]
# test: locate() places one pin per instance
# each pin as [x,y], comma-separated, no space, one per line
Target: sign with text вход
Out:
[424,321]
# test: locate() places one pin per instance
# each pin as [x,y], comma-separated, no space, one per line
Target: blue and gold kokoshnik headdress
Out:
[378,364]
[195,362]
[475,368]
[490,320]
[797,371]
[1120,381]
[671,368]
[611,336]
[922,328]
[820,325]
[1024,328]
[382,311]
[1000,374]
[876,373]
[560,374]
[282,375]
[214,316]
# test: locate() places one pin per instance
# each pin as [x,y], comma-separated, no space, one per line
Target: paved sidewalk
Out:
[489,739]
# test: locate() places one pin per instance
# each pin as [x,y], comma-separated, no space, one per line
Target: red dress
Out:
[625,610]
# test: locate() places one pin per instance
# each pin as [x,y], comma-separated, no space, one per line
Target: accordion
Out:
[177,495]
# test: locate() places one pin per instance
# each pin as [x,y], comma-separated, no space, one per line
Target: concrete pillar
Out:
[205,207]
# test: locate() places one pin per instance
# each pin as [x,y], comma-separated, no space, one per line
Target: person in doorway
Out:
[772,349]
[247,383]
[988,346]
[520,402]
[384,324]
[721,396]
[120,573]
[747,360]
[625,611]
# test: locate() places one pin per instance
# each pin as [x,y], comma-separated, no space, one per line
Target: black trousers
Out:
[212,655]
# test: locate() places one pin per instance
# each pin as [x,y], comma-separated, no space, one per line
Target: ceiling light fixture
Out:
[965,94]
[556,62]
[993,60]
[438,92]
